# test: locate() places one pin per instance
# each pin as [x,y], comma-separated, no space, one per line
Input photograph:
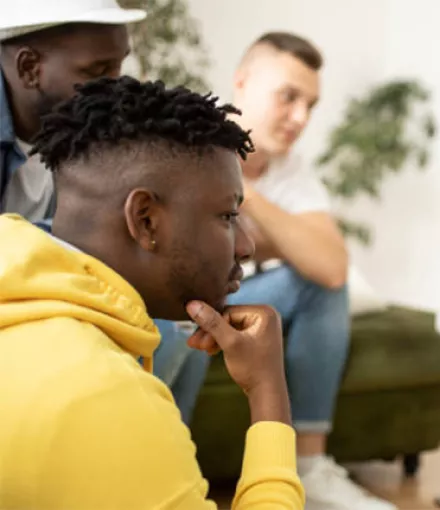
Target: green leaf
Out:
[357,231]
[380,133]
[168,44]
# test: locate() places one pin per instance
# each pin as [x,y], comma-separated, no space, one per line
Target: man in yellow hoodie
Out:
[148,186]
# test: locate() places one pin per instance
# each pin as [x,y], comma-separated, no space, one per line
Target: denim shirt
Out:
[11,156]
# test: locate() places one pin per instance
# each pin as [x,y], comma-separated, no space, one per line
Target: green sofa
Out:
[389,402]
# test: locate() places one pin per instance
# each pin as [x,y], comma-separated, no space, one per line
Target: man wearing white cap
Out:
[45,49]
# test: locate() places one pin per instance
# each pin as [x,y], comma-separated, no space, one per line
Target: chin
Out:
[174,313]
[221,306]
[276,150]
[179,313]
[218,304]
[281,150]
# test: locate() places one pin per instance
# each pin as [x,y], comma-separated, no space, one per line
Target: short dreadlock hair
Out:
[109,111]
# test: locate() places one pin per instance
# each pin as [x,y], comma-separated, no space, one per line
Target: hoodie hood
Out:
[41,279]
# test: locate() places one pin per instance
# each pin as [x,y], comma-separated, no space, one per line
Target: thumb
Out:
[209,320]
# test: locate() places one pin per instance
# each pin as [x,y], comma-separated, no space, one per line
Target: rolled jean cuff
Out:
[313,427]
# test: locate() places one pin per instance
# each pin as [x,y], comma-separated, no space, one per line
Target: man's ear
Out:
[239,79]
[142,216]
[28,64]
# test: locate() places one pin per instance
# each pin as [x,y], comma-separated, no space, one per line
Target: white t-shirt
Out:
[30,188]
[294,188]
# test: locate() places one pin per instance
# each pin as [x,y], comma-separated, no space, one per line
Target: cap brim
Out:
[112,16]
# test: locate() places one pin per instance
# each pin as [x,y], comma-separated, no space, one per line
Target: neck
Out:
[255,165]
[92,235]
[70,228]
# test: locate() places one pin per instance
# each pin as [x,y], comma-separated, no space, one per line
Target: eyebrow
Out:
[296,90]
[105,61]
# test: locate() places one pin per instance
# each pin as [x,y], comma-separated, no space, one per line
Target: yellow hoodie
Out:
[83,425]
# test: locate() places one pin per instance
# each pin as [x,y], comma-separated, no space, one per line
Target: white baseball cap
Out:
[21,17]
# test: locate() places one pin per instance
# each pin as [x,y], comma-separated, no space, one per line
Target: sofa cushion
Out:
[393,349]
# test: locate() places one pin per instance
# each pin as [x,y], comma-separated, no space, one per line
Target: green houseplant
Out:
[381,133]
[167,45]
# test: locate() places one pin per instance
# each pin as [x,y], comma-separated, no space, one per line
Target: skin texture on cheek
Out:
[58,78]
[201,258]
[196,232]
[48,99]
[74,58]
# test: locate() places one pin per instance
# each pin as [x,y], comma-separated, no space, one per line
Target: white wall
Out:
[229,26]
[405,259]
[364,42]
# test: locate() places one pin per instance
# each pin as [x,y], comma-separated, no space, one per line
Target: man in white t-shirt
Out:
[287,209]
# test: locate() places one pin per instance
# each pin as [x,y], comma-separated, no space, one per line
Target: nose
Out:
[244,245]
[299,113]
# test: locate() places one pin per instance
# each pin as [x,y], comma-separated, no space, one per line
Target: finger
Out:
[243,318]
[203,341]
[195,342]
[196,336]
[209,321]
[214,350]
[208,344]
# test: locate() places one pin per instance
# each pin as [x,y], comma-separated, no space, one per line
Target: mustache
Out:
[236,273]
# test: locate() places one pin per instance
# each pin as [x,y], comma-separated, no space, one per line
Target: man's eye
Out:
[97,72]
[230,217]
[288,96]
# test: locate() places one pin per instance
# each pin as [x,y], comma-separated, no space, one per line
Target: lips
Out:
[290,136]
[233,286]
[234,282]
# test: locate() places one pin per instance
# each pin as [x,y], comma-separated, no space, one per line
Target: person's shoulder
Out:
[82,419]
[6,123]
[70,362]
[295,186]
[290,166]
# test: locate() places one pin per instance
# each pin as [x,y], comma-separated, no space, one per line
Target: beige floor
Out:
[386,480]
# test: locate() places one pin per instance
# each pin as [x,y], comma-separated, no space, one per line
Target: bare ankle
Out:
[310,444]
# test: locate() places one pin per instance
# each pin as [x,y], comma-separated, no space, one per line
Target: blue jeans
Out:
[181,368]
[316,327]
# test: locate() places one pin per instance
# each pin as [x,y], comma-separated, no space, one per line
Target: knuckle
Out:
[212,322]
[270,312]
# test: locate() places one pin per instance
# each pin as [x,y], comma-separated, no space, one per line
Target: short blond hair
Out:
[288,43]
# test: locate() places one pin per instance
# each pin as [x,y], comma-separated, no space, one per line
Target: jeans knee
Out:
[322,322]
[336,300]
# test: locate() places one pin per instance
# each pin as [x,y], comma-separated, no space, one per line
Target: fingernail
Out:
[193,308]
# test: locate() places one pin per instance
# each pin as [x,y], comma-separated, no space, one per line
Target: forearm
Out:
[270,402]
[264,247]
[318,256]
[265,250]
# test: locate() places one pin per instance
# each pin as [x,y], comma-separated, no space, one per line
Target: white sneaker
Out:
[328,487]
